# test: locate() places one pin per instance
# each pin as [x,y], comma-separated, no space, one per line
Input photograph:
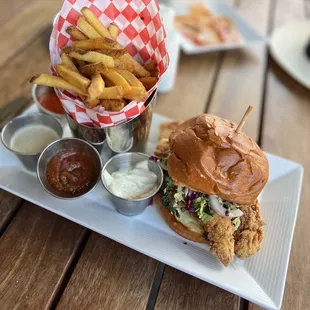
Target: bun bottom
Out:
[176,226]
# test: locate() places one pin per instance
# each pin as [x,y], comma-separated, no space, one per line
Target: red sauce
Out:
[50,102]
[71,172]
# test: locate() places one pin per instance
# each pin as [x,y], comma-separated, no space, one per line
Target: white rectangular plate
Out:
[219,7]
[260,279]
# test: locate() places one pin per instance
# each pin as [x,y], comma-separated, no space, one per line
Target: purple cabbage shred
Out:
[189,199]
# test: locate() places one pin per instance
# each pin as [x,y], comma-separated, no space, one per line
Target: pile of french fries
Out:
[98,69]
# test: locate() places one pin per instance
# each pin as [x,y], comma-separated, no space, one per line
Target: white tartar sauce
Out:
[132,183]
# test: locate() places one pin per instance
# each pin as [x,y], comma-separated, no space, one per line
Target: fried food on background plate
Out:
[162,149]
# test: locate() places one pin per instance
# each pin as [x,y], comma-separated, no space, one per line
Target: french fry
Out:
[151,65]
[124,64]
[80,63]
[113,29]
[152,68]
[148,82]
[69,49]
[96,23]
[108,83]
[94,57]
[76,33]
[113,105]
[92,69]
[113,52]
[138,69]
[130,78]
[113,92]
[67,61]
[95,88]
[95,44]
[76,79]
[87,28]
[116,78]
[135,93]
[55,81]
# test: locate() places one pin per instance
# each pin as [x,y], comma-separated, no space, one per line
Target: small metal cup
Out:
[28,160]
[132,134]
[93,135]
[135,206]
[54,148]
[37,91]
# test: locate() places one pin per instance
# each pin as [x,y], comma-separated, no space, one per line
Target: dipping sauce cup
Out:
[131,207]
[69,168]
[29,160]
[47,101]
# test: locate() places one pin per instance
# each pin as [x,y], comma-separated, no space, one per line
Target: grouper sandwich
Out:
[214,176]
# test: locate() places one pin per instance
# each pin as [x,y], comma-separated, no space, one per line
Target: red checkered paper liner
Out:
[141,31]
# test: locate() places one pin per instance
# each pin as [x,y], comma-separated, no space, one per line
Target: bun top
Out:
[209,156]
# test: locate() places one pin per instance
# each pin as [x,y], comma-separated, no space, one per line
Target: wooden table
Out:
[49,262]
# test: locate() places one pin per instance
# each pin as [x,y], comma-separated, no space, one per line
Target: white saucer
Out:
[287,47]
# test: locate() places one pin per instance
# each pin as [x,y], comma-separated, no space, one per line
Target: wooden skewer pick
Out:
[244,118]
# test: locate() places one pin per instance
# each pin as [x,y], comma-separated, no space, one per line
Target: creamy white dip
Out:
[132,183]
[32,139]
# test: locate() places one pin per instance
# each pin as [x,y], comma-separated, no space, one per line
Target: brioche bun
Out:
[209,156]
[176,226]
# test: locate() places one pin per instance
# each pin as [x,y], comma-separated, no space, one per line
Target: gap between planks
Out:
[63,284]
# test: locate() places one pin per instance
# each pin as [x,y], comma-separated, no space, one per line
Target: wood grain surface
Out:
[9,9]
[26,26]
[181,291]
[36,250]
[240,81]
[9,205]
[109,276]
[192,87]
[32,60]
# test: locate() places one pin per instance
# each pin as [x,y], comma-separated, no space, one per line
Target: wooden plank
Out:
[192,87]
[26,26]
[241,78]
[11,8]
[36,251]
[9,205]
[182,291]
[286,132]
[109,276]
[32,60]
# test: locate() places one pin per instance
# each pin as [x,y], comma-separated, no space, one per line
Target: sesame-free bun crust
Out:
[175,225]
[209,156]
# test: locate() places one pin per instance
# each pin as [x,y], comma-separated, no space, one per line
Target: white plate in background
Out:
[260,279]
[288,48]
[219,7]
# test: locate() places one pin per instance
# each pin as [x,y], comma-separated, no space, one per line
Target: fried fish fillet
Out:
[162,149]
[225,242]
[220,235]
[249,235]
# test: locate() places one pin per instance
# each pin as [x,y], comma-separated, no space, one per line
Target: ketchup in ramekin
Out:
[50,102]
